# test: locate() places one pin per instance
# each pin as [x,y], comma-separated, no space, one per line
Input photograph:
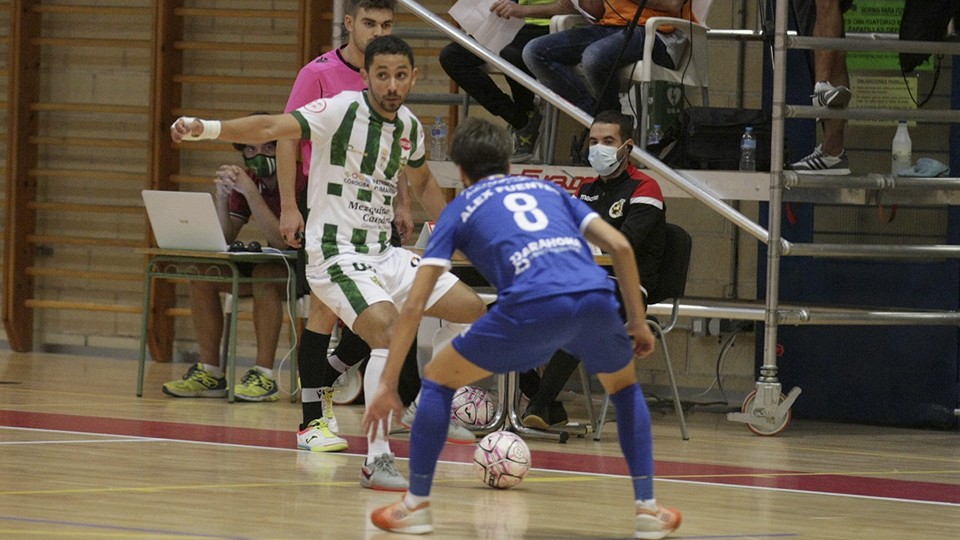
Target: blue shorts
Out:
[522,336]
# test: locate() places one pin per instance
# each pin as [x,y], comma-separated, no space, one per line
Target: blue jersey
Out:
[523,235]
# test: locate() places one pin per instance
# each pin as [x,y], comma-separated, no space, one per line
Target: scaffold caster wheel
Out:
[765,426]
[347,387]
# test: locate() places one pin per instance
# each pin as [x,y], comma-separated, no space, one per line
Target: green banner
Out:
[875,17]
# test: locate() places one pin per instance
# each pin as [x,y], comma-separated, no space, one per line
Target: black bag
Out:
[925,20]
[709,138]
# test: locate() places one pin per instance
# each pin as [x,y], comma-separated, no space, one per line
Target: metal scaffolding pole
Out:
[767,410]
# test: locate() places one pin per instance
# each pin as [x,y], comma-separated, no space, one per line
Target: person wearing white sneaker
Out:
[525,236]
[824,18]
[317,436]
[351,267]
[325,76]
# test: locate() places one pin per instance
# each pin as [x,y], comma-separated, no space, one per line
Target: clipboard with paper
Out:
[492,31]
[489,30]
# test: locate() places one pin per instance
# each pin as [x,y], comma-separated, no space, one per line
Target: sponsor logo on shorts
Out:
[317,106]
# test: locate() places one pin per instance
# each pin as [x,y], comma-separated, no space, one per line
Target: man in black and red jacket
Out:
[632,202]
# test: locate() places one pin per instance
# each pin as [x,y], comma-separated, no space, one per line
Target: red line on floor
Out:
[615,465]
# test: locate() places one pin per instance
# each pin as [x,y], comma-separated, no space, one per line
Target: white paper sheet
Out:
[587,16]
[489,30]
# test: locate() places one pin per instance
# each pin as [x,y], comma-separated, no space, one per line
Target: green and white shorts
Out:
[350,283]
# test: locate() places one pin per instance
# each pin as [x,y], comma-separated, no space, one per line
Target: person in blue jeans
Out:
[553,58]
[526,237]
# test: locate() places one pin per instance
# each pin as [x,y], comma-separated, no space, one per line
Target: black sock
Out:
[312,360]
[351,349]
[409,384]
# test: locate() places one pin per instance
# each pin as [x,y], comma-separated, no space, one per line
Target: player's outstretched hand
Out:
[386,401]
[185,127]
[643,341]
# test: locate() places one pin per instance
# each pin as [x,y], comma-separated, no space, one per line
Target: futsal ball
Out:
[472,407]
[501,459]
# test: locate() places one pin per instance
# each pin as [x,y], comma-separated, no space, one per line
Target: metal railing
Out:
[769,407]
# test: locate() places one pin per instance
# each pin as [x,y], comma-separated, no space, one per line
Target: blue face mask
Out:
[261,165]
[604,159]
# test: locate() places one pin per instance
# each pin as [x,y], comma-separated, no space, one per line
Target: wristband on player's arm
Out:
[211,129]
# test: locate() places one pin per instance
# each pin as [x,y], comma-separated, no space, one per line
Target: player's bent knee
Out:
[375,324]
[618,380]
[448,368]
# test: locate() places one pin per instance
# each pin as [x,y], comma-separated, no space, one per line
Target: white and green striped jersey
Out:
[355,160]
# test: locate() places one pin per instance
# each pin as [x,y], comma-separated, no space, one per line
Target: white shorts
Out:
[350,283]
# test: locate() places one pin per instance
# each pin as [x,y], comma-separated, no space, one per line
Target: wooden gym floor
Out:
[82,457]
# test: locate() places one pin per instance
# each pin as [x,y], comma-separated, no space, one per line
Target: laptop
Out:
[184,220]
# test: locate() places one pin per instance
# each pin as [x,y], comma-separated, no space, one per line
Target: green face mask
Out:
[261,165]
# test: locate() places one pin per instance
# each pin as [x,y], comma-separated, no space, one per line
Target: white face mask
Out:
[604,160]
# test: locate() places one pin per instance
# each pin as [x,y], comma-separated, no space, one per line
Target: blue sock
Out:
[636,441]
[428,435]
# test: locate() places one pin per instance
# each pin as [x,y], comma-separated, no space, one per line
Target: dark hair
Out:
[353,6]
[481,149]
[241,146]
[611,116]
[386,45]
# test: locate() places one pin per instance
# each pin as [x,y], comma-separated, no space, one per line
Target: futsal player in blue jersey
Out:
[528,238]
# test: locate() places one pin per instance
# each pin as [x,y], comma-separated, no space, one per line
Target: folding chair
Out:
[673,284]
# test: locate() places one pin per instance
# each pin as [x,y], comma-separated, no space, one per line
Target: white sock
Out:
[412,501]
[266,371]
[649,504]
[371,380]
[213,370]
[310,395]
[445,334]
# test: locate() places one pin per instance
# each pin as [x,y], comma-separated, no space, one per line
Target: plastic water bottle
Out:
[438,140]
[901,155]
[655,136]
[748,150]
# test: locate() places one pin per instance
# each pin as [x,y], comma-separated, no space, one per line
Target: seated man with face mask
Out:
[241,193]
[632,202]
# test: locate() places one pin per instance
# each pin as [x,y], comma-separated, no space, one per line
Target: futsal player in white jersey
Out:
[527,237]
[361,141]
[325,76]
